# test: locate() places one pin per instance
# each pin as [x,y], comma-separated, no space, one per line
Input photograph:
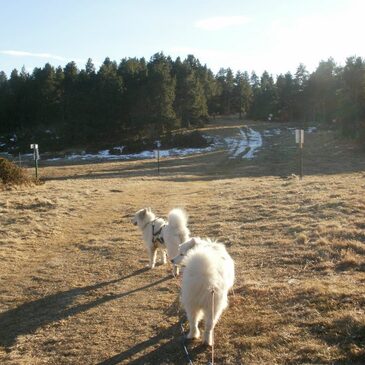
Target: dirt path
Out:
[75,288]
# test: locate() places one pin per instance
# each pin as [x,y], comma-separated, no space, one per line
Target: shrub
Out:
[11,174]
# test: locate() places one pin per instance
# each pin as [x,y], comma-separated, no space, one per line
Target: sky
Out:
[255,35]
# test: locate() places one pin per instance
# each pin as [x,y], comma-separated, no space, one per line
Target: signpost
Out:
[157,152]
[299,139]
[34,147]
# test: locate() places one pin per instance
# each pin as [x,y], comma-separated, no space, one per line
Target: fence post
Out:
[299,139]
[34,147]
[158,144]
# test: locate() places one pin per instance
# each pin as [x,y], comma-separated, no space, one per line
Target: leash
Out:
[183,342]
[212,362]
[187,355]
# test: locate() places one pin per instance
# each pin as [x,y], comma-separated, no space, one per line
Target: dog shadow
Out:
[167,348]
[30,316]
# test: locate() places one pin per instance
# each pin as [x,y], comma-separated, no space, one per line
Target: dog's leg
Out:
[164,256]
[209,327]
[176,270]
[152,254]
[211,320]
[193,318]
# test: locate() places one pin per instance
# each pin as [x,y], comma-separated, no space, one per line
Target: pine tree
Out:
[285,87]
[190,102]
[242,93]
[161,94]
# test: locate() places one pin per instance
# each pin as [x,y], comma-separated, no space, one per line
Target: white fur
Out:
[208,267]
[174,232]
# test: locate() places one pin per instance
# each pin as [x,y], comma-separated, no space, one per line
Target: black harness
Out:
[157,236]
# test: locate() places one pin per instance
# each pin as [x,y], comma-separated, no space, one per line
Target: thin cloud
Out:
[48,56]
[221,22]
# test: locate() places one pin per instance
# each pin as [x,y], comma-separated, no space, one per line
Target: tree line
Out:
[135,99]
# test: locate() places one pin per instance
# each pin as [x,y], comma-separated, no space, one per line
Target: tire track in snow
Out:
[245,145]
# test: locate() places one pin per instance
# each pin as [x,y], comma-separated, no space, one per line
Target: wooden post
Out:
[158,144]
[299,139]
[34,147]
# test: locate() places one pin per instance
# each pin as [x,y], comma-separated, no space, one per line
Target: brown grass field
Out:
[74,284]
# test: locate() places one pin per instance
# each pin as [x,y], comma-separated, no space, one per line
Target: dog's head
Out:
[141,216]
[184,249]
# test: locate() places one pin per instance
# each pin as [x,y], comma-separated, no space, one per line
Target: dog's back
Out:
[207,268]
[208,274]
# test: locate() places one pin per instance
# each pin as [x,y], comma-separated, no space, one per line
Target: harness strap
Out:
[156,236]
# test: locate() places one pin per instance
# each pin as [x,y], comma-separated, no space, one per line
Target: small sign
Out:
[34,147]
[299,136]
[158,144]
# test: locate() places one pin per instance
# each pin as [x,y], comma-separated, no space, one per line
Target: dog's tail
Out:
[177,218]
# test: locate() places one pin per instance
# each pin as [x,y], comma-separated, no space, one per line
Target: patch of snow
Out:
[54,159]
[255,142]
[248,140]
[308,130]
[118,148]
[13,138]
[106,155]
[271,132]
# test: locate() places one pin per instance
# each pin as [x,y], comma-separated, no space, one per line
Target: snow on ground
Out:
[106,155]
[308,130]
[245,145]
[272,132]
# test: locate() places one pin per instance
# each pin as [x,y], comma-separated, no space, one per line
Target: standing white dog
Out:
[159,234]
[208,268]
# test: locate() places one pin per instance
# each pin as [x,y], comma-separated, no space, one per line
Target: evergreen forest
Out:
[136,100]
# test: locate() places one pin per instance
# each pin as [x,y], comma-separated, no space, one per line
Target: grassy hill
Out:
[74,283]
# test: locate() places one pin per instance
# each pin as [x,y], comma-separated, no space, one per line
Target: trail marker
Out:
[299,140]
[34,147]
[157,154]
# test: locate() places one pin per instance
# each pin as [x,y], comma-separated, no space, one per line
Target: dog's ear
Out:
[149,209]
[143,212]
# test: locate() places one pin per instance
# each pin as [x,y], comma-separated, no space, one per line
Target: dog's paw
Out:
[208,340]
[208,343]
[190,339]
[193,336]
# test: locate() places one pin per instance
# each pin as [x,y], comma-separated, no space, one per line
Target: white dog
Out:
[208,268]
[159,234]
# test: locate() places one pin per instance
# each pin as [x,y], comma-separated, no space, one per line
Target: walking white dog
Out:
[161,235]
[208,268]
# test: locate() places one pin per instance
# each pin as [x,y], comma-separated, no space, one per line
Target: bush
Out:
[181,140]
[189,140]
[11,174]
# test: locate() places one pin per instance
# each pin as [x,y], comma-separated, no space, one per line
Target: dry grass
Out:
[74,283]
[11,174]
